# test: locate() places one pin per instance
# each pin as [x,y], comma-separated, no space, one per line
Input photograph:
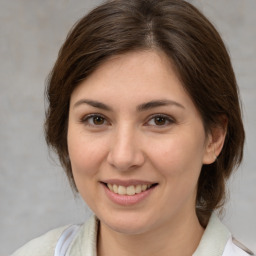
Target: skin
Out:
[126,142]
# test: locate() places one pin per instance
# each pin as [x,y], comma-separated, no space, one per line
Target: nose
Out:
[125,151]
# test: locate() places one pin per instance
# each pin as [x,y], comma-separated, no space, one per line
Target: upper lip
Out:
[127,183]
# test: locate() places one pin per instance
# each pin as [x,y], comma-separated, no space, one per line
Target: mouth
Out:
[130,190]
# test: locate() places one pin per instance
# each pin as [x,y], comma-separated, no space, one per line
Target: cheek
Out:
[86,156]
[85,153]
[179,155]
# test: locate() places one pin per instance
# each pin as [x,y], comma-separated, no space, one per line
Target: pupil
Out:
[98,120]
[160,120]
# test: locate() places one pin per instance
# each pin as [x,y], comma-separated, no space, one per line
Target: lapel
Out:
[85,244]
[214,239]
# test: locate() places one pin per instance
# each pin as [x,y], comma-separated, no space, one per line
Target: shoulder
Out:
[235,248]
[41,246]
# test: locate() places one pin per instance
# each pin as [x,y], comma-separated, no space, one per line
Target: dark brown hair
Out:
[194,47]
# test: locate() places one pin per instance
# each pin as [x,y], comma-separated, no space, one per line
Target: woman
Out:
[145,117]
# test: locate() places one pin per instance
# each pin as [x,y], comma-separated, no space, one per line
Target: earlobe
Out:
[215,141]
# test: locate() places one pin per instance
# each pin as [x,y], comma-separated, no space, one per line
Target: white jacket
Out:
[80,240]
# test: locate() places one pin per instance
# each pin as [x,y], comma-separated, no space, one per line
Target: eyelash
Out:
[86,120]
[166,118]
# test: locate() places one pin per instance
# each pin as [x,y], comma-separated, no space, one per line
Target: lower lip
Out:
[126,200]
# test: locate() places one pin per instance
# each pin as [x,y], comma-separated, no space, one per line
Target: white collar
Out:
[213,241]
[85,243]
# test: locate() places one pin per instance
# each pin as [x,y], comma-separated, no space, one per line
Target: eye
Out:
[94,120]
[160,120]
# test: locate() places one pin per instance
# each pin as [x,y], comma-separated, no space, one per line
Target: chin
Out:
[126,225]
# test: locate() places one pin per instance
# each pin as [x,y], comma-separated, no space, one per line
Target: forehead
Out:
[148,70]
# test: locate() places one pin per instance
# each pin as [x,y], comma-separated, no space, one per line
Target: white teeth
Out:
[110,186]
[115,188]
[130,190]
[144,187]
[138,189]
[121,190]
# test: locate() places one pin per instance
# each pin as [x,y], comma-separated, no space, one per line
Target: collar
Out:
[85,243]
[213,241]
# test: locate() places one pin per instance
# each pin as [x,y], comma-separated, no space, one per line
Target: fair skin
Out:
[131,124]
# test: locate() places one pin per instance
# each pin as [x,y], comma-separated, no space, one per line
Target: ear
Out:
[215,141]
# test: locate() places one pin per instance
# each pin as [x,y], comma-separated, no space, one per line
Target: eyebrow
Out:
[93,103]
[158,103]
[142,107]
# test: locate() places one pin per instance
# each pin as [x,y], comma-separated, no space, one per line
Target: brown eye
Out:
[98,120]
[160,120]
[94,120]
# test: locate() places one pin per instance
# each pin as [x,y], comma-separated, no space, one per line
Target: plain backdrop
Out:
[34,193]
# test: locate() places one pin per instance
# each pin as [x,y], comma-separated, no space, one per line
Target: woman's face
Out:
[136,143]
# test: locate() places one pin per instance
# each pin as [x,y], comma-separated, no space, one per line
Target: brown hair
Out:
[191,43]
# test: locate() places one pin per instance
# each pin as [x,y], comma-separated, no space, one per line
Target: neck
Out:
[180,238]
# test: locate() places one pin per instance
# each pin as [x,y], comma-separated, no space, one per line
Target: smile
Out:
[130,190]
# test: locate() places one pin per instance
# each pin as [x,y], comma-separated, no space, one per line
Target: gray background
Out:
[34,193]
